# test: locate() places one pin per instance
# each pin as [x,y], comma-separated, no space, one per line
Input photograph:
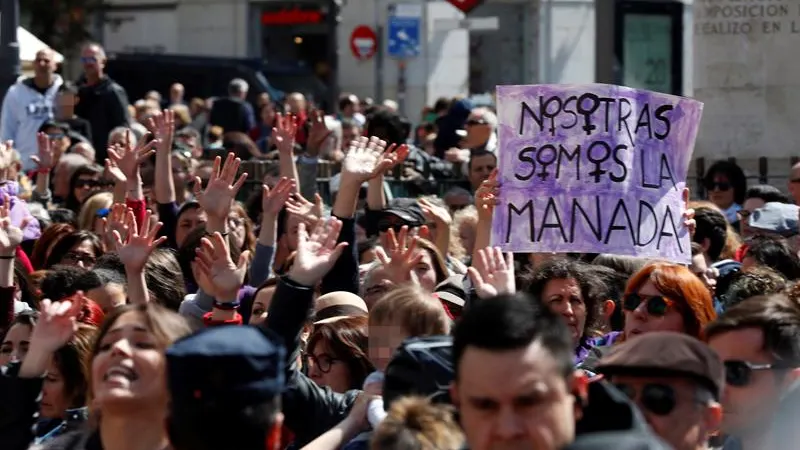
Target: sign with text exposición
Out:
[595,169]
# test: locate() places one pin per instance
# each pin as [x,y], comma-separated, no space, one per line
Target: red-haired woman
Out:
[660,297]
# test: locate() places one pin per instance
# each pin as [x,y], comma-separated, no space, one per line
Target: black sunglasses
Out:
[740,373]
[473,122]
[659,399]
[656,305]
[723,186]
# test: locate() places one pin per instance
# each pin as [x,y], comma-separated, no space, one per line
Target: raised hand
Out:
[318,132]
[116,221]
[316,253]
[310,212]
[435,213]
[45,156]
[57,323]
[486,196]
[688,214]
[214,263]
[113,171]
[494,275]
[140,242]
[162,126]
[402,256]
[10,236]
[221,190]
[273,200]
[365,160]
[283,134]
[129,158]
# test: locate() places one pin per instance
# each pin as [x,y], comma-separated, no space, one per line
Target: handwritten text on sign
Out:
[593,168]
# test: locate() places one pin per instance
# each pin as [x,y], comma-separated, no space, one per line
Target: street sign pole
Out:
[379,53]
[404,40]
[401,86]
[9,47]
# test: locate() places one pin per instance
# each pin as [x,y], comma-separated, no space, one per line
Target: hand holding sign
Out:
[594,168]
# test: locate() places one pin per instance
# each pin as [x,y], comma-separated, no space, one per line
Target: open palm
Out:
[140,242]
[221,190]
[316,253]
[57,323]
[10,236]
[402,256]
[363,161]
[283,134]
[128,158]
[494,275]
[215,264]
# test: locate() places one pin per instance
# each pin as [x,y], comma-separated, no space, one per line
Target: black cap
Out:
[63,126]
[228,366]
[420,366]
[666,354]
[401,211]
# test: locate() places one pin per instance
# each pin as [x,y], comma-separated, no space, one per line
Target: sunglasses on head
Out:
[740,373]
[473,122]
[657,305]
[722,185]
[659,399]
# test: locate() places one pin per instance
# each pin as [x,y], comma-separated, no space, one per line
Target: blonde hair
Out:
[461,217]
[413,309]
[415,423]
[90,207]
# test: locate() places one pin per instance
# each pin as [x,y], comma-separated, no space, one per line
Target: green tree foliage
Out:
[61,24]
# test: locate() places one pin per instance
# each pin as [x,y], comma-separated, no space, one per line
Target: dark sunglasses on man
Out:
[740,373]
[659,399]
[722,185]
[473,122]
[657,305]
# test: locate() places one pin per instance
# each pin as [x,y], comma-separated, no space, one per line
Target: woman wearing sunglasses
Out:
[725,186]
[666,297]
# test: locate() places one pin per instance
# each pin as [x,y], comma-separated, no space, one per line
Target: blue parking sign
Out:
[404,37]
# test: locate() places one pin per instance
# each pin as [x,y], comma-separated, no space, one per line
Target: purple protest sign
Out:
[593,169]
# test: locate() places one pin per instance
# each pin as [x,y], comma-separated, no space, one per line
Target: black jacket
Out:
[310,410]
[232,114]
[18,404]
[105,106]
[76,440]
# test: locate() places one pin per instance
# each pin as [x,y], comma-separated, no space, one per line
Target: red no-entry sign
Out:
[363,42]
[466,5]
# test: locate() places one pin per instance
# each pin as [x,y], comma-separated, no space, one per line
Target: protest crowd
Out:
[358,297]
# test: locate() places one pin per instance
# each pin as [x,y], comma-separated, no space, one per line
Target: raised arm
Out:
[139,244]
[284,135]
[217,199]
[163,127]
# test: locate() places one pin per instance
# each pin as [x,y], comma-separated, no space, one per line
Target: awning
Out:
[29,45]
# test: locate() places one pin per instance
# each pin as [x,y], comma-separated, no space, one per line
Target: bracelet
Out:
[230,306]
[7,257]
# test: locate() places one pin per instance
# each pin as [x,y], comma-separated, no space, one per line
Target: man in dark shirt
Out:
[66,101]
[103,102]
[233,113]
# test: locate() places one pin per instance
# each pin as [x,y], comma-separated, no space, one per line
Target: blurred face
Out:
[45,64]
[84,149]
[720,191]
[53,404]
[129,368]
[296,103]
[326,369]
[292,230]
[375,286]
[748,408]
[188,221]
[457,202]
[237,229]
[563,296]
[794,183]
[119,139]
[15,344]
[466,232]
[425,272]
[515,399]
[268,114]
[85,185]
[480,169]
[478,130]
[108,296]
[58,139]
[261,304]
[66,101]
[646,318]
[383,341]
[673,408]
[750,205]
[700,268]
[93,61]
[349,134]
[176,92]
[82,255]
